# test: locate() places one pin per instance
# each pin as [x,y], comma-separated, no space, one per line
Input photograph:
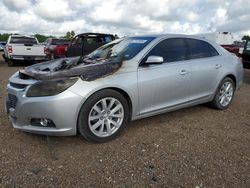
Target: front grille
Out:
[18,86]
[12,100]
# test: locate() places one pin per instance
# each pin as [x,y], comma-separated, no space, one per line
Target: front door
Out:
[167,84]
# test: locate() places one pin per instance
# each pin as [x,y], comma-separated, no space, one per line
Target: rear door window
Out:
[171,50]
[199,49]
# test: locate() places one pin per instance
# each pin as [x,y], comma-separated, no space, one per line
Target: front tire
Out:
[103,116]
[224,94]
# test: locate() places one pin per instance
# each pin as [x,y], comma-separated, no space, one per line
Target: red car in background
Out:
[233,49]
[60,51]
[56,47]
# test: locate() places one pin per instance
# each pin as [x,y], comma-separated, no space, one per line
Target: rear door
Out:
[206,68]
[168,84]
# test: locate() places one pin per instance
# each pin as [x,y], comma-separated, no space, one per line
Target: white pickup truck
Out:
[23,48]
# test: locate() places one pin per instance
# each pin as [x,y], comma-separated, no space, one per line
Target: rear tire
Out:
[224,94]
[103,116]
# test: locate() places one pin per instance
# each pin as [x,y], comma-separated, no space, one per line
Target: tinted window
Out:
[77,41]
[108,39]
[23,40]
[94,40]
[213,52]
[170,49]
[199,49]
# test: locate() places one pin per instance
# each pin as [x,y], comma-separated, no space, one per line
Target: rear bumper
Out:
[62,109]
[28,58]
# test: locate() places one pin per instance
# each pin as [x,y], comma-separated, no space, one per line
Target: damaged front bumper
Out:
[61,109]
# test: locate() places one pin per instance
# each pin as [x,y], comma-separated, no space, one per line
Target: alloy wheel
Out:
[106,117]
[226,93]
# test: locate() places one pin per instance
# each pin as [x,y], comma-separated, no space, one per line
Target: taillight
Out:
[10,49]
[46,50]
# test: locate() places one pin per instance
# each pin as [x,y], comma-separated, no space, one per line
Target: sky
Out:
[125,17]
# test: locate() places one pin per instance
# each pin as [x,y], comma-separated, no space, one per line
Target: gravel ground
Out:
[193,147]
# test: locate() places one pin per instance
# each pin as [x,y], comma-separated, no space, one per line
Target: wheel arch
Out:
[125,95]
[233,77]
[229,75]
[119,90]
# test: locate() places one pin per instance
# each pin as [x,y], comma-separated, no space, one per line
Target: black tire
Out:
[82,124]
[11,63]
[216,102]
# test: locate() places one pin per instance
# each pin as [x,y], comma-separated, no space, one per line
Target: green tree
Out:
[41,38]
[4,36]
[72,33]
[69,35]
[246,37]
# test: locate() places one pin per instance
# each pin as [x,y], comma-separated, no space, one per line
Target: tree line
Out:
[40,37]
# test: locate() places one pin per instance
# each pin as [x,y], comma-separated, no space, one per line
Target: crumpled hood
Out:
[87,69]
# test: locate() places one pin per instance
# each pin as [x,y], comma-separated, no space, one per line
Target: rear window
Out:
[60,42]
[23,40]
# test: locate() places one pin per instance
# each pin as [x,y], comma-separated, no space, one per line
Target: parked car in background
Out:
[56,47]
[60,51]
[127,79]
[86,43]
[246,54]
[23,48]
[2,46]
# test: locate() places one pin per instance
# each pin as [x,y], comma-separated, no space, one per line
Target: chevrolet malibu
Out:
[127,79]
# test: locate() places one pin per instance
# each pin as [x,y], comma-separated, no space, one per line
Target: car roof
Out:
[163,36]
[169,36]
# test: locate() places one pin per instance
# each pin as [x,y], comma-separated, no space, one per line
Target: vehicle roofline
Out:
[99,34]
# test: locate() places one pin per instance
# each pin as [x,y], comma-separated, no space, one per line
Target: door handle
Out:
[183,72]
[217,66]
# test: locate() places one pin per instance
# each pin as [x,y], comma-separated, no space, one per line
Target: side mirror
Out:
[154,60]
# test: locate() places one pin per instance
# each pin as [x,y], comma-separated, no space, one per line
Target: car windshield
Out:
[124,49]
[23,40]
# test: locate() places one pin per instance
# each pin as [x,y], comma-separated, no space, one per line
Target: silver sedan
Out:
[127,79]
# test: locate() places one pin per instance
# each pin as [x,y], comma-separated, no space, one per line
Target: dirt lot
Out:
[194,147]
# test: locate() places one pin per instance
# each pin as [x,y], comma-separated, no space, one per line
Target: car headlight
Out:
[49,88]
